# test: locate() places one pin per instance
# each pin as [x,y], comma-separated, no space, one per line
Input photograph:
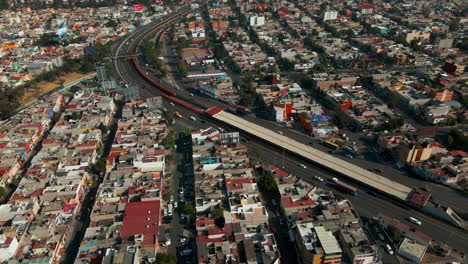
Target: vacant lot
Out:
[41,88]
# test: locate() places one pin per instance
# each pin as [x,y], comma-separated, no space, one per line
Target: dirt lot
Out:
[44,87]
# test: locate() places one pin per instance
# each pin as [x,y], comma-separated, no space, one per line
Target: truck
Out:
[346,188]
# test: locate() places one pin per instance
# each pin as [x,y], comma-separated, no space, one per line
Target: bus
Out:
[346,188]
[331,144]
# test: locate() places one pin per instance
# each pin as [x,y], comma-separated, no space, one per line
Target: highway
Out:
[365,204]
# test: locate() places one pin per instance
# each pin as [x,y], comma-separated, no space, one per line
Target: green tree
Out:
[188,132]
[103,128]
[99,166]
[166,258]
[450,140]
[111,23]
[2,192]
[268,182]
[169,140]
[189,209]
[394,233]
[169,116]
[219,217]
[454,25]
[9,100]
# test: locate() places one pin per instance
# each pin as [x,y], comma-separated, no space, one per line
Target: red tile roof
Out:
[458,153]
[141,218]
[277,172]
[288,202]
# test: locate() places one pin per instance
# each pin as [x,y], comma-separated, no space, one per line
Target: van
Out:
[389,249]
[414,221]
[186,252]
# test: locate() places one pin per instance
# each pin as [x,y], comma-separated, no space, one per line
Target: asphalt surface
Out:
[366,205]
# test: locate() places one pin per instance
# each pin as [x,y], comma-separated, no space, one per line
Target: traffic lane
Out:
[365,204]
[445,195]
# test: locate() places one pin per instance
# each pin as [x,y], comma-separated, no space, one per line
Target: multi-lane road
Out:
[366,205]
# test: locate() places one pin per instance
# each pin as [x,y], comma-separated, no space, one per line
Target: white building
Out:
[330,15]
[257,20]
[8,247]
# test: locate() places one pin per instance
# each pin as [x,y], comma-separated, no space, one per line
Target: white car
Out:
[171,103]
[192,118]
[335,179]
[183,240]
[389,249]
[318,178]
[168,242]
[414,221]
[302,166]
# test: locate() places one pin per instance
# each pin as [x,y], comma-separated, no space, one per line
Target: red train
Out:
[168,93]
[156,84]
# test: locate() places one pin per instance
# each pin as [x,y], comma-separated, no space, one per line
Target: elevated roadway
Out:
[340,166]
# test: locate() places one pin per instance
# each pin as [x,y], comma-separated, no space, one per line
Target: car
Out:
[389,249]
[414,221]
[279,132]
[220,129]
[172,104]
[381,237]
[335,179]
[186,252]
[192,118]
[349,156]
[318,178]
[131,249]
[181,190]
[183,239]
[274,202]
[302,166]
[378,170]
[191,94]
[167,242]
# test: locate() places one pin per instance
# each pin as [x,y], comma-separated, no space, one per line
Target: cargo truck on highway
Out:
[346,188]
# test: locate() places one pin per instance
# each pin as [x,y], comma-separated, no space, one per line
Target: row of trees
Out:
[152,56]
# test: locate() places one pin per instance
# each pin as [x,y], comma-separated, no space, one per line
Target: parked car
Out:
[186,252]
[389,249]
[302,166]
[381,237]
